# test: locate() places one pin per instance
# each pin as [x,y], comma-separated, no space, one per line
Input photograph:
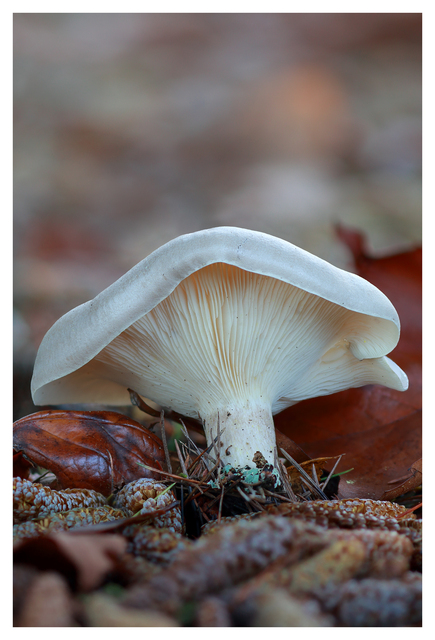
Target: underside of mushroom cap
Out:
[216,312]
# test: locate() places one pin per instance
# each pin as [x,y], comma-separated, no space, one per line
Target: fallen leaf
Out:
[48,603]
[23,578]
[291,447]
[21,466]
[84,560]
[98,450]
[408,483]
[379,429]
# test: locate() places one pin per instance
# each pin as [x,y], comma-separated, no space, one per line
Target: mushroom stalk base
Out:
[244,430]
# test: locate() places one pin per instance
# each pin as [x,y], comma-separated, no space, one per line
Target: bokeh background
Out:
[131,129]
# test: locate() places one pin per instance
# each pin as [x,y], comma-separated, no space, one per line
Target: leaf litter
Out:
[205,545]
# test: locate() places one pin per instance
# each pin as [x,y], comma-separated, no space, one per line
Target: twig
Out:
[304,475]
[208,476]
[286,482]
[286,485]
[190,467]
[120,523]
[280,467]
[310,485]
[205,480]
[278,495]
[256,503]
[203,514]
[243,494]
[226,489]
[171,475]
[186,434]
[205,452]
[220,504]
[314,475]
[165,444]
[276,461]
[406,513]
[138,402]
[323,485]
[180,458]
[183,467]
[191,497]
[216,442]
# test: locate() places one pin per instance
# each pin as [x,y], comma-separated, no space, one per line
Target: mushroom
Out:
[226,325]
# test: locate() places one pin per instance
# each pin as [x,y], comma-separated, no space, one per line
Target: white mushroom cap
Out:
[224,321]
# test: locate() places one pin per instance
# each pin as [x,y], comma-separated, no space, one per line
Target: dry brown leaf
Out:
[48,603]
[98,450]
[83,559]
[290,446]
[21,466]
[408,483]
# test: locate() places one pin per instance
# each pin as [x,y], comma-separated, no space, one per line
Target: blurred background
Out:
[131,129]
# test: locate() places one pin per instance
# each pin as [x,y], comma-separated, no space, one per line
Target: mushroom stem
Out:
[244,430]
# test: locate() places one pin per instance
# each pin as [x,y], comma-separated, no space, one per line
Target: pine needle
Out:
[304,475]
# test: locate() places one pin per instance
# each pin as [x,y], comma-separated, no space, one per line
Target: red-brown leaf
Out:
[21,466]
[407,483]
[83,559]
[97,450]
[378,428]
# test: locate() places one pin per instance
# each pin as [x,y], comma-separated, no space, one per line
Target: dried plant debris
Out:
[359,516]
[374,602]
[212,612]
[234,553]
[350,514]
[374,554]
[134,495]
[32,500]
[23,577]
[84,559]
[388,554]
[39,509]
[276,607]
[62,521]
[277,561]
[158,545]
[336,564]
[215,525]
[134,569]
[48,603]
[262,570]
[368,602]
[145,496]
[102,610]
